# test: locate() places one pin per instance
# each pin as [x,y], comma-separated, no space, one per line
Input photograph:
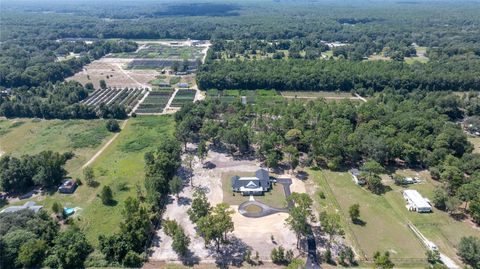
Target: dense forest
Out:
[343,75]
[36,34]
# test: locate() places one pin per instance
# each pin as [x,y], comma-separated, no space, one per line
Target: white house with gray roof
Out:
[255,185]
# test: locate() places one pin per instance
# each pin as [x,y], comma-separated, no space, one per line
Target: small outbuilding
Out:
[255,185]
[28,205]
[68,186]
[416,202]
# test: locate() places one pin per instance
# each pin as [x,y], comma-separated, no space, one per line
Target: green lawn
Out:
[274,198]
[384,228]
[27,136]
[120,166]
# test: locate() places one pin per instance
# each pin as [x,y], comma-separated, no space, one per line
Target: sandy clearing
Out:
[256,233]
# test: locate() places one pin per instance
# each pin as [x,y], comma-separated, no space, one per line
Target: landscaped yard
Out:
[274,198]
[120,166]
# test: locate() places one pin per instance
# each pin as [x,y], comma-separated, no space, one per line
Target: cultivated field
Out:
[126,97]
[183,97]
[155,101]
[389,232]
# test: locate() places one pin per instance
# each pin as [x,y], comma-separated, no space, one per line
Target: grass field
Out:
[316,94]
[386,217]
[28,136]
[476,143]
[274,198]
[384,228]
[120,166]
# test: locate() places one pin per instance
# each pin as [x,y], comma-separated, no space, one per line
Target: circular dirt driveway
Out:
[255,209]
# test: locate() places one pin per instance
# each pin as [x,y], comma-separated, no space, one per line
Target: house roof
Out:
[417,199]
[259,181]
[28,205]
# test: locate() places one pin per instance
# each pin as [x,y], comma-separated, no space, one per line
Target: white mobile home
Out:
[415,201]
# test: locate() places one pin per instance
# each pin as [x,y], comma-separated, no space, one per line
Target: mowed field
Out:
[386,218]
[29,136]
[120,166]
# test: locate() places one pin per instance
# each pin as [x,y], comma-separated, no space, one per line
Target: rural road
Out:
[104,146]
[312,259]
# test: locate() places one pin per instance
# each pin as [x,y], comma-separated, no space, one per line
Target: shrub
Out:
[106,195]
[113,126]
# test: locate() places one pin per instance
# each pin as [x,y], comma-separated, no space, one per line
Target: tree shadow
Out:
[209,165]
[302,175]
[111,203]
[189,259]
[359,222]
[184,201]
[232,253]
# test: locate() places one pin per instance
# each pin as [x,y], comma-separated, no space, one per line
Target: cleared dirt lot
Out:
[254,234]
[118,76]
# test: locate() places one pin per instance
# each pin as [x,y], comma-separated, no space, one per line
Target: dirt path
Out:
[119,66]
[104,146]
[361,98]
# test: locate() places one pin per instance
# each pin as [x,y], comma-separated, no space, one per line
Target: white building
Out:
[415,201]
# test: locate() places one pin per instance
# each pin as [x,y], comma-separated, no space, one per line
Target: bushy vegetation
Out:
[44,169]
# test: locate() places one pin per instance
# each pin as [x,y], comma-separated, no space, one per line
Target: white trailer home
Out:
[415,201]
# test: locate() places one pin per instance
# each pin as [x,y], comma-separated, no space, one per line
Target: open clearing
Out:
[476,143]
[31,136]
[389,232]
[120,166]
[119,77]
[257,239]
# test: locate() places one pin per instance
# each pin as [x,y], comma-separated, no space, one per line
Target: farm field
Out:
[155,101]
[183,97]
[126,97]
[316,94]
[82,137]
[162,50]
[390,231]
[120,166]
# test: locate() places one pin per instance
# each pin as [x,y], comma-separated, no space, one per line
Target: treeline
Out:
[55,101]
[412,129]
[31,240]
[45,169]
[332,75]
[141,214]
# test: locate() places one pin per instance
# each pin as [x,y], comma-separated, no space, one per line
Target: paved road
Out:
[286,182]
[312,259]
